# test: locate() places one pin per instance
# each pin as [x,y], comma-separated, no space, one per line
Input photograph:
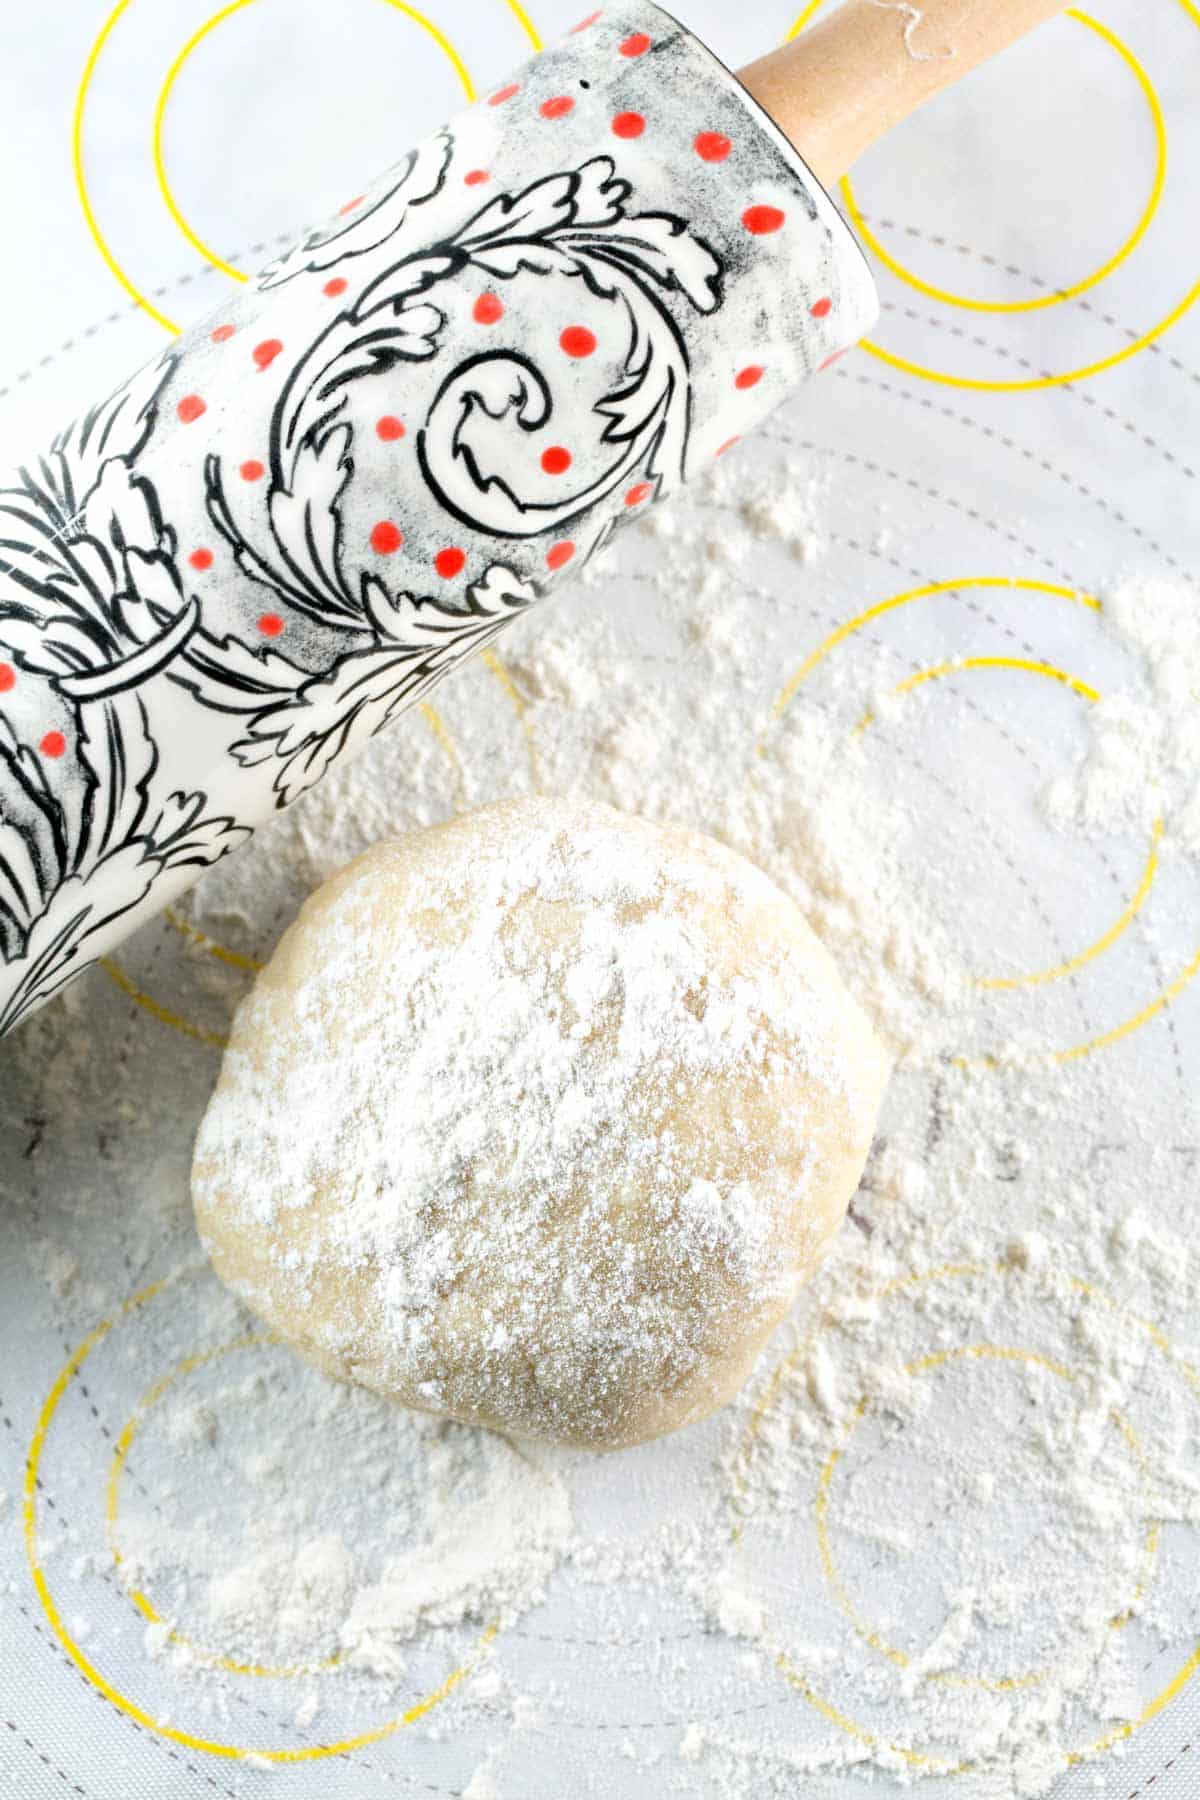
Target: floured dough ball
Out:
[538,1119]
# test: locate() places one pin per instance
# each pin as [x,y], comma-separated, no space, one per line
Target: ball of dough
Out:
[538,1119]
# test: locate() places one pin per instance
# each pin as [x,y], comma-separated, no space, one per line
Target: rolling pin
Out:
[410,428]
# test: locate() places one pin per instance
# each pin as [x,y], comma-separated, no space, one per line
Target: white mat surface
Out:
[1052,443]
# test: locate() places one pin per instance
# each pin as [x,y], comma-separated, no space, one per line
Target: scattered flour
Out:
[401,1529]
[1142,760]
[481,1785]
[955,1516]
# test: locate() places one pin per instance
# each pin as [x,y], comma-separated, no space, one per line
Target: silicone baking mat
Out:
[1020,429]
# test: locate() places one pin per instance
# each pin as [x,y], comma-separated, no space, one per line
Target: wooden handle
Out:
[852,76]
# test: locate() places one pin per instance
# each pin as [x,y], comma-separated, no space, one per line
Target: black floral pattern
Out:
[95,605]
[577,223]
[148,721]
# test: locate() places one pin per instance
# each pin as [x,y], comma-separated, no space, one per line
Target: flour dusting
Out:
[954,1517]
[1141,766]
[539,1121]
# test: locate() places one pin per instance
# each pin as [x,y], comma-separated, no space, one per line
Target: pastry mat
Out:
[1021,427]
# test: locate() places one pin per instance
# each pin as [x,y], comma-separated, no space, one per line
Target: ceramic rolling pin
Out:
[412,427]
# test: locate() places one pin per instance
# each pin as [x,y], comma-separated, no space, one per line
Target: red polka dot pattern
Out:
[8,678]
[821,309]
[557,107]
[53,744]
[252,470]
[762,220]
[191,408]
[711,146]
[222,334]
[389,428]
[201,559]
[487,309]
[636,44]
[628,125]
[504,93]
[386,538]
[270,624]
[474,177]
[450,562]
[559,555]
[337,285]
[577,340]
[556,460]
[266,352]
[640,491]
[748,377]
[351,205]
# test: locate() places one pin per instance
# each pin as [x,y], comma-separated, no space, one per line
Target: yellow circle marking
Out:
[210,946]
[80,112]
[156,1009]
[197,38]
[1105,942]
[1133,907]
[1104,1039]
[1167,995]
[124,1444]
[525,22]
[1040,381]
[81,186]
[844,1722]
[955,666]
[441,734]
[1009,584]
[520,706]
[1124,918]
[160,112]
[1107,268]
[757,1421]
[921,1366]
[1085,370]
[1143,1017]
[121,1702]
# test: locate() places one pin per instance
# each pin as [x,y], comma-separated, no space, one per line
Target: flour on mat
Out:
[954,1518]
[1141,765]
[398,1526]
